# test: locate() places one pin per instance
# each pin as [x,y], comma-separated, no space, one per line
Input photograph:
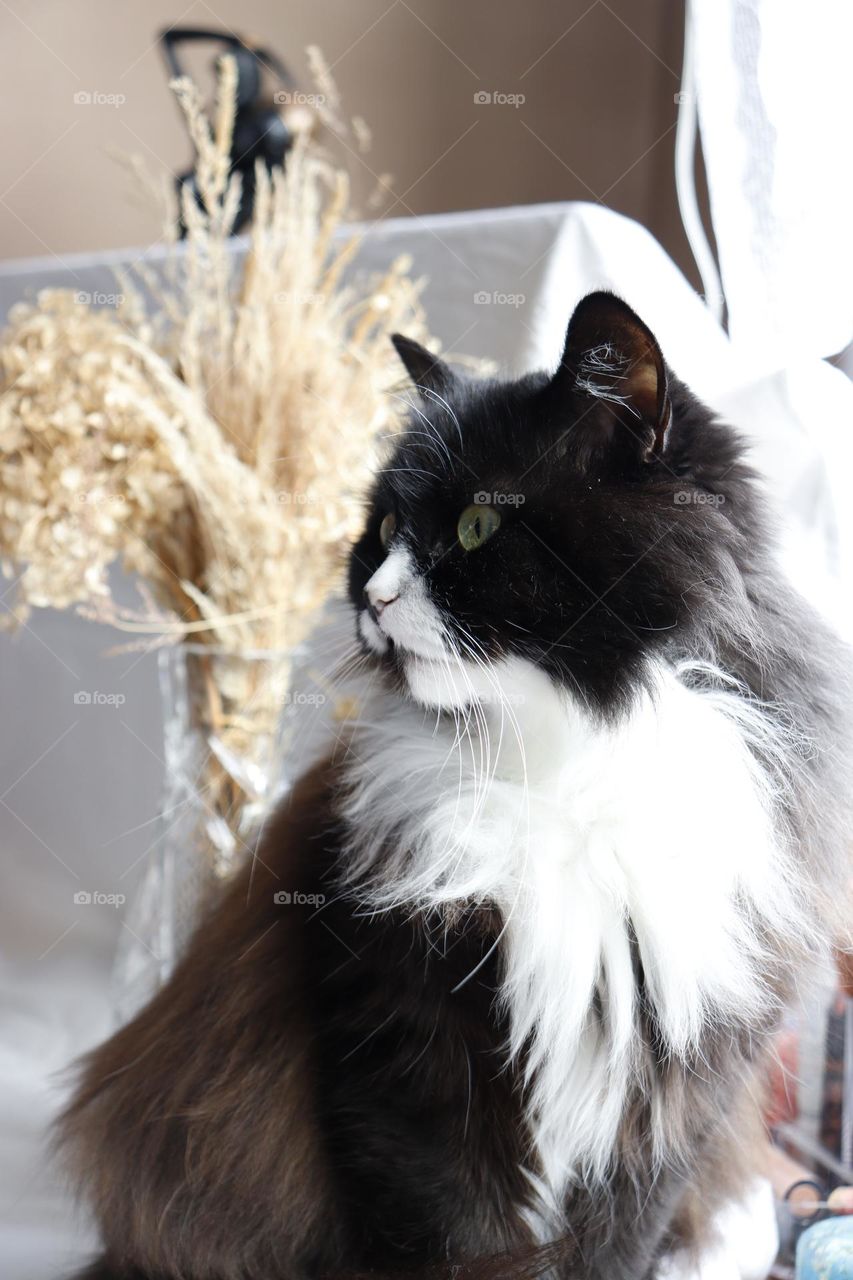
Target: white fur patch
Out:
[580,832]
[371,633]
[411,620]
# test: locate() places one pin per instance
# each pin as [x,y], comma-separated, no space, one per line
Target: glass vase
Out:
[228,720]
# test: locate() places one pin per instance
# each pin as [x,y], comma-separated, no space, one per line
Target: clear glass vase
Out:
[228,722]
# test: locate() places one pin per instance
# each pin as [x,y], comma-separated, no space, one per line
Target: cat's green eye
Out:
[387,529]
[476,525]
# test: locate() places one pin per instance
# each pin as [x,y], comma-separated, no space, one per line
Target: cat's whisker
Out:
[452,413]
[405,471]
[486,666]
[485,743]
[472,646]
[431,433]
[478,655]
[461,725]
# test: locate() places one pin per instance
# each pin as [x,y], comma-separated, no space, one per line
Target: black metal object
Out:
[260,129]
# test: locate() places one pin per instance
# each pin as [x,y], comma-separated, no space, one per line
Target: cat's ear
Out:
[613,360]
[427,371]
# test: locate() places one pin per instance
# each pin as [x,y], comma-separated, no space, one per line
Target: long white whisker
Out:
[472,646]
[432,432]
[441,400]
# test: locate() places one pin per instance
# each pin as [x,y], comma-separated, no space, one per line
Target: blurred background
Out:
[598,83]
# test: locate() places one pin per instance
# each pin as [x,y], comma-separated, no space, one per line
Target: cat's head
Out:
[584,521]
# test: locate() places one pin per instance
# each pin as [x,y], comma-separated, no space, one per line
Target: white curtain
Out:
[769,83]
[775,103]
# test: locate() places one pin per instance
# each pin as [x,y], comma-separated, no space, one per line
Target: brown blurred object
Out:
[844,961]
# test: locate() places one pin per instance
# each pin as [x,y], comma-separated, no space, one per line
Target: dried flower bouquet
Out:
[212,434]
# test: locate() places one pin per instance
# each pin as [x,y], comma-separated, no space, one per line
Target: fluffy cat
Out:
[576,853]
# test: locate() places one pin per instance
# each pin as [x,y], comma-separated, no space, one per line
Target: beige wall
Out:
[597,121]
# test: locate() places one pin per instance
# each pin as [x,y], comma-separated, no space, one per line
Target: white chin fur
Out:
[450,684]
[585,835]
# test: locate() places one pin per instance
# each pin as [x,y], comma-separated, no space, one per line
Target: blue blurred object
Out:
[825,1251]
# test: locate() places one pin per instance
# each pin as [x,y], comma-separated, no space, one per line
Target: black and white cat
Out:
[584,840]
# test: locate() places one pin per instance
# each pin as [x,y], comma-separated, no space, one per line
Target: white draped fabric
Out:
[775,105]
[774,100]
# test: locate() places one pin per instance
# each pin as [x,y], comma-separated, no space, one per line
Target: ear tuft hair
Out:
[611,356]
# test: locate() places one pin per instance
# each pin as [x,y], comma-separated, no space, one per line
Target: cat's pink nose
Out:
[376,601]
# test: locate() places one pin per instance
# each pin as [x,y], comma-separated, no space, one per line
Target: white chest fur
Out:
[582,833]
